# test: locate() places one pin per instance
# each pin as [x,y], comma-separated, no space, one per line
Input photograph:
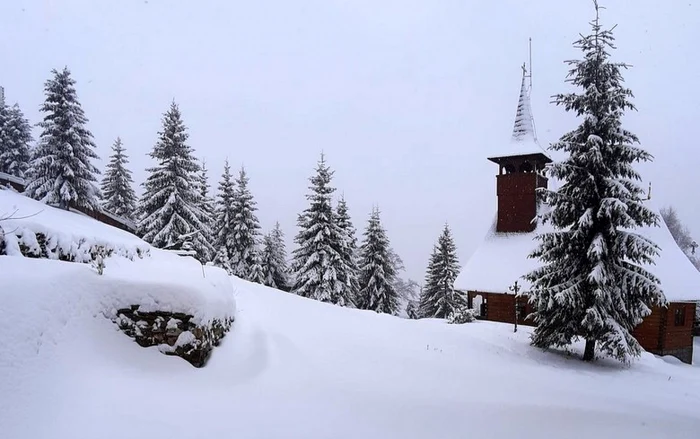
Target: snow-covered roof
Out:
[524,138]
[502,259]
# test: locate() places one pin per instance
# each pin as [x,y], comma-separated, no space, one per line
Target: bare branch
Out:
[13,217]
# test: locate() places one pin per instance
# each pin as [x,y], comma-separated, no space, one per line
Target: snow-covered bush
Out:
[461,315]
[24,241]
[98,259]
[33,229]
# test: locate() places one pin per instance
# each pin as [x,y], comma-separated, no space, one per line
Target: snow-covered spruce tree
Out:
[377,270]
[117,190]
[256,273]
[15,136]
[319,257]
[169,208]
[348,271]
[206,204]
[274,260]
[592,284]
[61,171]
[439,298]
[223,227]
[246,229]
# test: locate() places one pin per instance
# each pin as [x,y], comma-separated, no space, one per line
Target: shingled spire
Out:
[524,127]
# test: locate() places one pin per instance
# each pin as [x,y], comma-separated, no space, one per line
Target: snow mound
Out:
[68,233]
[41,295]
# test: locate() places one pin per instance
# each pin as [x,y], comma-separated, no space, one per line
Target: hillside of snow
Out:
[136,273]
[296,368]
[290,367]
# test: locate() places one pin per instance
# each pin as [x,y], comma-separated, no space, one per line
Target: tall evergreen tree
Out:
[224,236]
[117,191]
[274,260]
[377,270]
[15,136]
[348,270]
[206,204]
[319,257]
[592,284]
[170,209]
[439,298]
[61,170]
[246,229]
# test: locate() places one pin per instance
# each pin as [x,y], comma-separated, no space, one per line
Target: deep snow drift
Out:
[295,368]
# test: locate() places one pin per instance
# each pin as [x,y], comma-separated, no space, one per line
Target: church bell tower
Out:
[521,168]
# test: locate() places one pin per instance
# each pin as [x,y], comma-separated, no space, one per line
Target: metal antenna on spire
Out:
[529,92]
[530,66]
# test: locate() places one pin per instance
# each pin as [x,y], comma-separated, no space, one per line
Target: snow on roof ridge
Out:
[502,258]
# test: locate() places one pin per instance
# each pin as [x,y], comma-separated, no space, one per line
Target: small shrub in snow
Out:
[462,315]
[99,254]
[24,241]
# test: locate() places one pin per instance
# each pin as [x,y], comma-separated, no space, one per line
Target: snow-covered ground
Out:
[292,367]
[295,368]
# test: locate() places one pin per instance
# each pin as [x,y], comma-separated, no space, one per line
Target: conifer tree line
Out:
[176,207]
[178,210]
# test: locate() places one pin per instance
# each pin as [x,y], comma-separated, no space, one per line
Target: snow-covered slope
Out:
[291,367]
[39,296]
[136,274]
[296,368]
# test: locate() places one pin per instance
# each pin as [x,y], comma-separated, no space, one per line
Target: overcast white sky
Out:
[406,97]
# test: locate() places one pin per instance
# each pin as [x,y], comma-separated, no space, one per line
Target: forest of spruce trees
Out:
[178,211]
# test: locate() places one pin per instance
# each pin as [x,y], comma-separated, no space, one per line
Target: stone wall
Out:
[173,333]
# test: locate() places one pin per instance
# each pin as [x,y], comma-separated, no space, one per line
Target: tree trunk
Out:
[589,352]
